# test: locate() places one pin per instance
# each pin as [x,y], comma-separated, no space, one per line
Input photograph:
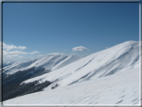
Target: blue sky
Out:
[44,28]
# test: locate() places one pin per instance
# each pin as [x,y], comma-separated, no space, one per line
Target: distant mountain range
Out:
[16,73]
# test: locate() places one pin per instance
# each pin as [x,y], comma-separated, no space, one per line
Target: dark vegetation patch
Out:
[11,83]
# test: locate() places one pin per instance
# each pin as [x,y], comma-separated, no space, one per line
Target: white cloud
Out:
[12,47]
[80,48]
[34,52]
[13,53]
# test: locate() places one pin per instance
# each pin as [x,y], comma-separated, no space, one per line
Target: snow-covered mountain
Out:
[100,64]
[16,73]
[110,76]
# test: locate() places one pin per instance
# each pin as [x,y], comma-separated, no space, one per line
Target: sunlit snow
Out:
[108,77]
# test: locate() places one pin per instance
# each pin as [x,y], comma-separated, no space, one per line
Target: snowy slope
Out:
[110,76]
[117,89]
[100,64]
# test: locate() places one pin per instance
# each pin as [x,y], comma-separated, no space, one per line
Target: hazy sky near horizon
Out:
[33,29]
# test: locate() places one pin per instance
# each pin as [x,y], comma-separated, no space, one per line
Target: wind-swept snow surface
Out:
[110,76]
[121,88]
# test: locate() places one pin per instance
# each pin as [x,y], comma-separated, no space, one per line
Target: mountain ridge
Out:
[111,61]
